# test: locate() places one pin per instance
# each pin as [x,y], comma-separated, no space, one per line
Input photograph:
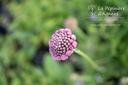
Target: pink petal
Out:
[50,51]
[71,40]
[74,44]
[71,47]
[57,31]
[68,53]
[69,33]
[73,37]
[67,30]
[61,30]
[56,57]
[64,57]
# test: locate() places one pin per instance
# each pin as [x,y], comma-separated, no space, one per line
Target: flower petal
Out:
[64,57]
[73,37]
[56,57]
[74,44]
[71,47]
[68,53]
[67,30]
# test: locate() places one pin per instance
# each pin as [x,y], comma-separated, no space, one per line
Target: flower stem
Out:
[88,59]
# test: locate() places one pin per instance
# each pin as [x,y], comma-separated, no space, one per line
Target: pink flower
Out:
[62,44]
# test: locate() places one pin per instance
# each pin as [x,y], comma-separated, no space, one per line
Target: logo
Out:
[108,14]
[92,8]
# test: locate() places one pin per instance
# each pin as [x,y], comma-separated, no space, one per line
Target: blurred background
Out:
[26,27]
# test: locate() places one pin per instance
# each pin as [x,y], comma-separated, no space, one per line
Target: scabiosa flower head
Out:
[62,44]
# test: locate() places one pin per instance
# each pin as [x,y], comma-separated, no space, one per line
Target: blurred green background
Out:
[27,25]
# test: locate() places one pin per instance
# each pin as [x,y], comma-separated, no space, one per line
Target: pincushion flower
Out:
[62,44]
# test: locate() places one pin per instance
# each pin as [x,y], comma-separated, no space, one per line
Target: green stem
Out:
[88,59]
